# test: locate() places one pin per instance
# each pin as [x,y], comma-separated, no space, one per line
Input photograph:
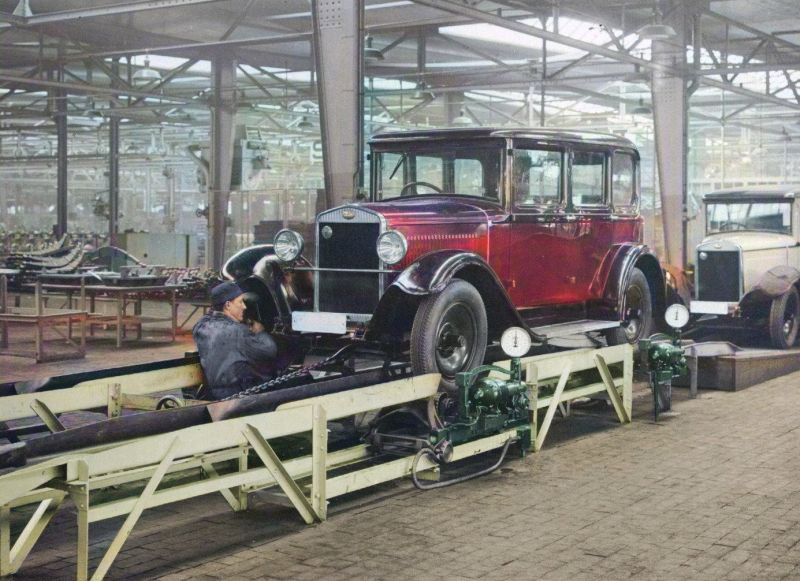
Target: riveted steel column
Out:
[339,64]
[670,121]
[453,105]
[61,156]
[222,113]
[113,167]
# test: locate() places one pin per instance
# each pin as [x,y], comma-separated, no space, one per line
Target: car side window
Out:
[468,177]
[588,178]
[537,177]
[624,195]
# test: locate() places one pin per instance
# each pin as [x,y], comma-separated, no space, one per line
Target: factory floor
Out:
[709,492]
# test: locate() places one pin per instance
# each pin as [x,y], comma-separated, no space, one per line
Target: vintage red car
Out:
[465,233]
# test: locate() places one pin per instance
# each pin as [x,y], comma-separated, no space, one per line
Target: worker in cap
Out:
[235,354]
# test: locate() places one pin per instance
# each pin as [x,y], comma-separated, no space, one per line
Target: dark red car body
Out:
[564,248]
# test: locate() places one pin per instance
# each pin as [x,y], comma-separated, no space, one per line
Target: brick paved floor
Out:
[711,493]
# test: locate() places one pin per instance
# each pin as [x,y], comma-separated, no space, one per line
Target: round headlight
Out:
[288,245]
[392,247]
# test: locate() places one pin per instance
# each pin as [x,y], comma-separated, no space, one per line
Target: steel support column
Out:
[453,106]
[339,64]
[61,156]
[670,119]
[113,168]
[223,111]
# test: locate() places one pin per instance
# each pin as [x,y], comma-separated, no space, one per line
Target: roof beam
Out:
[84,89]
[95,11]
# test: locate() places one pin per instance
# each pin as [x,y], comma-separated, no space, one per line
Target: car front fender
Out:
[773,283]
[280,290]
[430,274]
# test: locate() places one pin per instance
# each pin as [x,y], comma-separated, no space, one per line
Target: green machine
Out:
[488,405]
[666,360]
[482,406]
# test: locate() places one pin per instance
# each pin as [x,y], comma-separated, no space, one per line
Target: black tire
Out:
[784,319]
[637,320]
[449,333]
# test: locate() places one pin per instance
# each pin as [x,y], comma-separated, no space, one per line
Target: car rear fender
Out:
[615,274]
[430,274]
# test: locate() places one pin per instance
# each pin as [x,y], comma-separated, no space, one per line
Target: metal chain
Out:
[273,383]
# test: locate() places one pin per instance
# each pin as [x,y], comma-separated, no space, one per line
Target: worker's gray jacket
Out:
[232,356]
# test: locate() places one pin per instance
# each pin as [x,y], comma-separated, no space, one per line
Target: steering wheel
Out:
[436,189]
[732,226]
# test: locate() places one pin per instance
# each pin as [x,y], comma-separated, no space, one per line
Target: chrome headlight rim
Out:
[284,238]
[399,241]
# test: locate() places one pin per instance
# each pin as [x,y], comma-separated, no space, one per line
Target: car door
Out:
[627,224]
[588,230]
[537,206]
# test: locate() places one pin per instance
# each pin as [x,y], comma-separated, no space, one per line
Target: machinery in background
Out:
[665,359]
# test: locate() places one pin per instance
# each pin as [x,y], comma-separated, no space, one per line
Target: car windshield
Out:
[754,216]
[439,168]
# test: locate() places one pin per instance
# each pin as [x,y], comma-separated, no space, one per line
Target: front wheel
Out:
[449,333]
[637,320]
[784,316]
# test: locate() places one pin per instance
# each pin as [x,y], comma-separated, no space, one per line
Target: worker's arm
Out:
[258,345]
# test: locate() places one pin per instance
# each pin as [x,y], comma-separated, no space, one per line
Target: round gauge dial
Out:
[677,316]
[515,342]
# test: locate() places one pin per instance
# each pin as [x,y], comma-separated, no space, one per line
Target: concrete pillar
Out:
[670,116]
[339,65]
[223,110]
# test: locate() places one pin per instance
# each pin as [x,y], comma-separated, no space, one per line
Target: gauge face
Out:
[515,342]
[676,316]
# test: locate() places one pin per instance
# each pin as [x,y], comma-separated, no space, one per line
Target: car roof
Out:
[754,193]
[538,133]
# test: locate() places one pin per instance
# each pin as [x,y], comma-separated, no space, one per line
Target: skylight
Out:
[593,33]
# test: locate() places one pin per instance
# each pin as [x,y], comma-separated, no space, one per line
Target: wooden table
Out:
[123,296]
[4,274]
[42,318]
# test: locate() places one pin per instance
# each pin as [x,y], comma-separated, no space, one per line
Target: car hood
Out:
[751,240]
[438,209]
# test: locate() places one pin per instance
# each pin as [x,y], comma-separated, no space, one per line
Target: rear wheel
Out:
[637,321]
[784,317]
[449,333]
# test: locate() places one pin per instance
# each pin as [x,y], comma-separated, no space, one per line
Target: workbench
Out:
[122,296]
[41,318]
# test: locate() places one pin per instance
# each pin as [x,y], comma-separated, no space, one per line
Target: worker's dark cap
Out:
[224,292]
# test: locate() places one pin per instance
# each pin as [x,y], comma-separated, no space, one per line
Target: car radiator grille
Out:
[350,246]
[718,276]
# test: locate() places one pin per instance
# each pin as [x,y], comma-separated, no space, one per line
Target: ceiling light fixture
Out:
[304,123]
[657,30]
[23,9]
[422,92]
[462,120]
[642,109]
[146,75]
[371,53]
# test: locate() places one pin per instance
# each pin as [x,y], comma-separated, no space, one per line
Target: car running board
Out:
[574,328]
